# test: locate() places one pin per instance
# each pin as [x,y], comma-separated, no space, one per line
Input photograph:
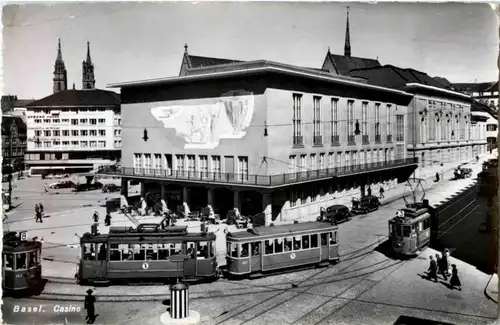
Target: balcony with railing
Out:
[335,139]
[249,180]
[351,140]
[365,139]
[389,138]
[317,140]
[298,141]
[378,139]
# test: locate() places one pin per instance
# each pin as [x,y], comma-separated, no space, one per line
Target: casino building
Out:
[262,136]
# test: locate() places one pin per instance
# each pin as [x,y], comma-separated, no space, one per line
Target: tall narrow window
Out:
[292,164]
[303,166]
[313,162]
[377,122]
[216,166]
[432,120]
[389,120]
[204,166]
[443,122]
[350,121]
[243,168]
[157,162]
[147,163]
[364,117]
[331,160]
[400,127]
[317,120]
[334,121]
[180,163]
[321,161]
[137,162]
[191,164]
[297,120]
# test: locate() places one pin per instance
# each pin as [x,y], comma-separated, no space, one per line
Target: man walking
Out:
[89,306]
[381,191]
[432,271]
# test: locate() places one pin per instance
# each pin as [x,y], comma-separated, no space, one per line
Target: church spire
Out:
[60,81]
[88,78]
[347,46]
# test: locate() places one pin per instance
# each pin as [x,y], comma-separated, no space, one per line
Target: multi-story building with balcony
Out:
[484,92]
[439,120]
[73,130]
[262,136]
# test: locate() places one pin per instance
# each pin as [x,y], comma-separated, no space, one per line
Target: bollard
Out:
[179,313]
[179,301]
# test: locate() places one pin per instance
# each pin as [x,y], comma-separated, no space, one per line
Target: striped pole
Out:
[179,301]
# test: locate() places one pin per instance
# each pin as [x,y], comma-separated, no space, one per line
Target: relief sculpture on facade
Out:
[203,125]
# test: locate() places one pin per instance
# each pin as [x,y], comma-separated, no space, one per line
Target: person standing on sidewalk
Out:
[455,280]
[381,191]
[369,191]
[89,306]
[432,271]
[441,266]
[96,217]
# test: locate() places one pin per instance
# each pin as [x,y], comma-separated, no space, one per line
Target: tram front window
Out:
[395,230]
[21,261]
[406,231]
[32,259]
[88,251]
[8,262]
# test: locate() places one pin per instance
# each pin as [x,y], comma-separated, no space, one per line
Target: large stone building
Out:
[439,119]
[263,136]
[484,92]
[73,130]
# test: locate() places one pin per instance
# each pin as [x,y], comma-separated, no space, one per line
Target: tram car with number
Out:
[410,230]
[266,249]
[21,264]
[150,251]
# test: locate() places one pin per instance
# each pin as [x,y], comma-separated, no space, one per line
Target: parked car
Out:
[335,214]
[62,184]
[111,188]
[367,204]
[88,187]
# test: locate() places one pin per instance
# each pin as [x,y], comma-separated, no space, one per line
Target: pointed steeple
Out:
[347,45]
[60,81]
[88,78]
[186,55]
[89,60]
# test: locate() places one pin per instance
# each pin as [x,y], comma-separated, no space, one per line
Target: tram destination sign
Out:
[23,235]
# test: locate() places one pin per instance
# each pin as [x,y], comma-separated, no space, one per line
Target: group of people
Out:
[107,219]
[39,212]
[441,265]
[381,192]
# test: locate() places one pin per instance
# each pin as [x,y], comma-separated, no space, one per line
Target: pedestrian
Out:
[437,177]
[381,192]
[455,280]
[369,191]
[89,306]
[441,266]
[107,219]
[41,207]
[432,271]
[446,261]
[96,217]
[39,217]
[322,213]
[46,188]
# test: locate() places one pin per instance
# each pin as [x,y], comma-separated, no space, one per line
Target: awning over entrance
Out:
[255,181]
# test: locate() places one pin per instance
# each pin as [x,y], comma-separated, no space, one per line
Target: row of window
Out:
[68,109]
[147,252]
[281,245]
[21,261]
[334,120]
[80,144]
[491,127]
[399,230]
[74,133]
[191,163]
[351,158]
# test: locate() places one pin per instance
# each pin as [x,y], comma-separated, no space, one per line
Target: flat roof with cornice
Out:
[255,67]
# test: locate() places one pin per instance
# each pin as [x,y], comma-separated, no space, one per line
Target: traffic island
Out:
[179,312]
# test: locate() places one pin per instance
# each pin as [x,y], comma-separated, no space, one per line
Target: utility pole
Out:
[9,200]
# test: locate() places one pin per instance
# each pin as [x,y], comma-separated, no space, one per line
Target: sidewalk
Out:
[491,290]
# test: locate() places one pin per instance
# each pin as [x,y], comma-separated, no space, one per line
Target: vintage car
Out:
[111,188]
[461,172]
[62,184]
[365,204]
[335,214]
[88,187]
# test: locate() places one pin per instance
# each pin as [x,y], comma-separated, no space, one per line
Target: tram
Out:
[150,251]
[410,229]
[21,264]
[263,249]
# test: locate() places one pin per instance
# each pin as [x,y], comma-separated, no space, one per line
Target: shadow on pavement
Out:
[385,248]
[409,320]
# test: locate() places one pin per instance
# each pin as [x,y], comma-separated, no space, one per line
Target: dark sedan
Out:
[111,188]
[88,187]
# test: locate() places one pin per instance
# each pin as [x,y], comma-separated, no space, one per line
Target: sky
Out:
[137,41]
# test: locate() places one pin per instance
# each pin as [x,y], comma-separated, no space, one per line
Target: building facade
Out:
[13,141]
[263,137]
[484,92]
[73,130]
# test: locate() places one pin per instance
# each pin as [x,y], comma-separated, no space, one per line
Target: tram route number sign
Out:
[400,213]
[145,266]
[23,235]
[292,256]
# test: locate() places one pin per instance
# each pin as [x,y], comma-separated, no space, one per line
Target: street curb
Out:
[486,293]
